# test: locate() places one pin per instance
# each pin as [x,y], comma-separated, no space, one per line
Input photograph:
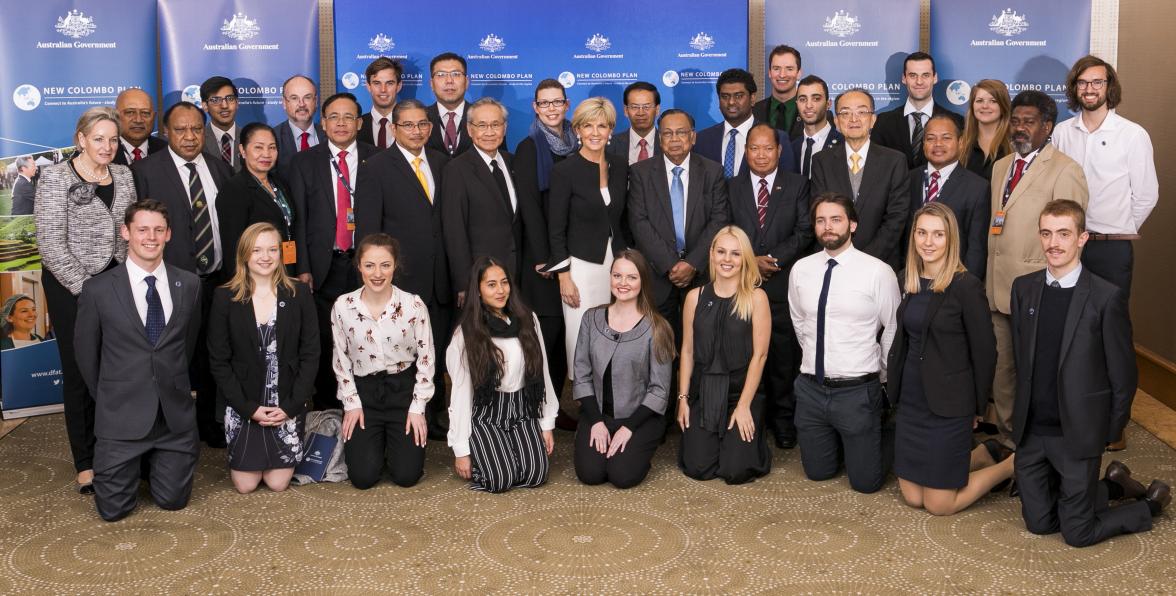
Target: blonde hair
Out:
[1000,146]
[749,275]
[592,109]
[92,117]
[951,260]
[242,283]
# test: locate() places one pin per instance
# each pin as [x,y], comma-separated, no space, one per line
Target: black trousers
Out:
[78,403]
[625,469]
[704,455]
[780,373]
[171,457]
[845,421]
[1063,492]
[1112,260]
[210,406]
[506,446]
[341,278]
[385,399]
[437,412]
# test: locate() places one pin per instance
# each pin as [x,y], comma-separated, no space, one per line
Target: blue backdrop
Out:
[1029,47]
[848,43]
[592,48]
[257,43]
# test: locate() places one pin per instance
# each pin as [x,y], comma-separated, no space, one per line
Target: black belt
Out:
[343,253]
[842,382]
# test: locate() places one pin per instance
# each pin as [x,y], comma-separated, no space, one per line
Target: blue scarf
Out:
[547,143]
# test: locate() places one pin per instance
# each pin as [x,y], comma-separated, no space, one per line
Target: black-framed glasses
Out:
[543,104]
[1095,84]
[411,126]
[217,100]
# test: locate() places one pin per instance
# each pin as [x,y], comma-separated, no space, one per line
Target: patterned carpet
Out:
[782,534]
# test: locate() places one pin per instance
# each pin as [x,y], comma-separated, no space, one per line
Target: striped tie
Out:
[761,202]
[201,222]
[933,187]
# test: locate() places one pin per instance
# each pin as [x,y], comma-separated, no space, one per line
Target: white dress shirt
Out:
[863,298]
[352,161]
[849,152]
[139,289]
[818,139]
[635,147]
[461,395]
[388,126]
[1120,171]
[129,149]
[218,133]
[909,108]
[210,192]
[740,141]
[944,174]
[432,190]
[311,140]
[458,116]
[514,201]
[685,181]
[1068,280]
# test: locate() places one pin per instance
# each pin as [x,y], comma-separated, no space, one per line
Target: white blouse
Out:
[390,342]
[461,396]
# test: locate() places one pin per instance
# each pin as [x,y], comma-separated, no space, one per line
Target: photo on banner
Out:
[848,43]
[592,49]
[31,380]
[1029,46]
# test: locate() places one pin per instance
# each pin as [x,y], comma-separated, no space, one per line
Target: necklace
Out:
[90,173]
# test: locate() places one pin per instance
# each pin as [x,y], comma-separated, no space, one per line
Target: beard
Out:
[1099,102]
[1023,144]
[835,242]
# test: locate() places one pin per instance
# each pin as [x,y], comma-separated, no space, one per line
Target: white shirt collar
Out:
[299,130]
[486,157]
[1111,122]
[182,163]
[820,134]
[137,273]
[218,132]
[910,108]
[458,112]
[350,149]
[742,128]
[862,152]
[1028,158]
[1068,280]
[846,254]
[650,137]
[409,156]
[671,165]
[131,147]
[376,115]
[944,172]
[770,178]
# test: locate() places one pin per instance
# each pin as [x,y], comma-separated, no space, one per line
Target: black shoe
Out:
[784,441]
[987,428]
[86,489]
[1014,490]
[1158,497]
[1120,474]
[997,451]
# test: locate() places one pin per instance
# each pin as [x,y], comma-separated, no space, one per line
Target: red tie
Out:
[382,142]
[643,152]
[451,132]
[304,144]
[933,187]
[137,154]
[1017,171]
[342,204]
[761,202]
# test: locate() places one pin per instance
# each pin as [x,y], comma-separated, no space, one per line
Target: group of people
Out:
[802,271]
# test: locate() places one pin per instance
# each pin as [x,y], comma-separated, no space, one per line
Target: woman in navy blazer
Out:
[940,372]
[263,351]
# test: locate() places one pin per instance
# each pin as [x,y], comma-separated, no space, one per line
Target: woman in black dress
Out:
[940,373]
[986,131]
[726,326]
[263,351]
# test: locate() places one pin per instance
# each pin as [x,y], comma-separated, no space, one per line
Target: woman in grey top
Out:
[622,376]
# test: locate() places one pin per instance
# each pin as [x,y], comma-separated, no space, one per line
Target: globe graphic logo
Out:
[26,97]
[567,79]
[958,92]
[670,78]
[350,80]
[191,94]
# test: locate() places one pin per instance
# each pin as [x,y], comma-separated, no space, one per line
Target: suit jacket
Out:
[618,146]
[1097,375]
[156,177]
[288,145]
[968,197]
[579,223]
[392,201]
[1017,250]
[882,204]
[437,135]
[795,129]
[541,294]
[833,139]
[154,145]
[709,144]
[959,350]
[652,223]
[479,221]
[130,379]
[788,229]
[212,145]
[243,202]
[893,130]
[237,361]
[23,192]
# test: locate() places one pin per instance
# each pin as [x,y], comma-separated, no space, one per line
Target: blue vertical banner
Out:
[592,49]
[64,56]
[1028,44]
[256,43]
[848,43]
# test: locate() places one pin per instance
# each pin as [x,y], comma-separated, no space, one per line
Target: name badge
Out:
[350,219]
[289,253]
[998,222]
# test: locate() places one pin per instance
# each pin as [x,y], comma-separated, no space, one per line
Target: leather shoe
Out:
[1158,496]
[1014,490]
[1119,445]
[565,422]
[785,441]
[1120,474]
[997,451]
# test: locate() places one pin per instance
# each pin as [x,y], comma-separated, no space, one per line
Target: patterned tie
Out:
[729,155]
[854,159]
[451,132]
[137,154]
[500,182]
[420,174]
[761,202]
[1055,284]
[304,144]
[342,203]
[642,150]
[806,163]
[227,148]
[917,138]
[677,206]
[382,141]
[933,187]
[155,321]
[201,222]
[821,303]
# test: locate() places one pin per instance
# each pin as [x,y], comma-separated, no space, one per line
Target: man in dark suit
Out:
[298,132]
[484,212]
[136,332]
[447,77]
[218,97]
[1077,378]
[639,143]
[812,104]
[964,192]
[24,191]
[322,183]
[725,142]
[136,119]
[187,182]
[676,204]
[781,108]
[873,176]
[382,78]
[771,206]
[902,128]
[402,199]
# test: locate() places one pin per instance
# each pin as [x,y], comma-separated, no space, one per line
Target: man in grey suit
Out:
[136,332]
[218,98]
[23,188]
[298,132]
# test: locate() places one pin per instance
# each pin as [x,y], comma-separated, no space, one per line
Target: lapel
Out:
[870,172]
[775,200]
[937,299]
[326,172]
[841,181]
[904,130]
[242,317]
[949,185]
[1074,313]
[832,140]
[662,186]
[1034,304]
[694,192]
[406,170]
[285,311]
[122,289]
[181,185]
[179,304]
[1036,167]
[482,173]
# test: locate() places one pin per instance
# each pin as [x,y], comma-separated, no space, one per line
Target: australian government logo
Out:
[599,45]
[240,28]
[492,45]
[702,43]
[76,25]
[381,45]
[842,26]
[1008,24]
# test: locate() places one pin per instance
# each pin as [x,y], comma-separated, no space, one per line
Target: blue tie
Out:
[729,155]
[821,302]
[155,322]
[677,202]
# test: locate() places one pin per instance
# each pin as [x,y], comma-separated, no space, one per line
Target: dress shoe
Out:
[565,422]
[784,441]
[1158,497]
[1120,474]
[997,451]
[987,428]
[1014,490]
[86,489]
[1119,445]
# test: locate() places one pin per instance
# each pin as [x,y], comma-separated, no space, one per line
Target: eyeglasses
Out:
[346,118]
[1095,84]
[411,126]
[217,100]
[294,99]
[851,114]
[640,107]
[448,74]
[485,126]
[543,104]
[669,134]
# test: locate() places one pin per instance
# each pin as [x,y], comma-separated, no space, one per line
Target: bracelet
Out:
[684,396]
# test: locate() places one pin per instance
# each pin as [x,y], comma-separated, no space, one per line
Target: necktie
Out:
[201,222]
[761,202]
[781,119]
[1055,284]
[137,154]
[933,187]
[806,162]
[729,155]
[854,159]
[342,203]
[642,150]
[677,206]
[917,139]
[155,321]
[227,148]
[451,132]
[1018,170]
[821,303]
[420,174]
[382,141]
[304,144]
[500,181]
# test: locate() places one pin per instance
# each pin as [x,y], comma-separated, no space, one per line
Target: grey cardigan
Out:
[78,241]
[637,377]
